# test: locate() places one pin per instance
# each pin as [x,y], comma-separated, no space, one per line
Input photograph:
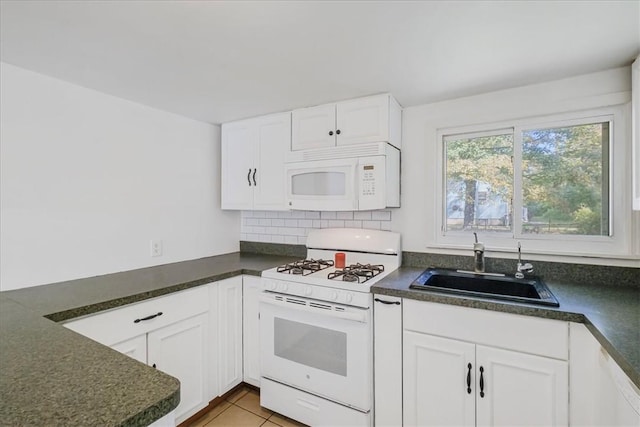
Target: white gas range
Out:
[316,327]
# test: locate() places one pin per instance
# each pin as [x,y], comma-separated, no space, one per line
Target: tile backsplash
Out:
[293,226]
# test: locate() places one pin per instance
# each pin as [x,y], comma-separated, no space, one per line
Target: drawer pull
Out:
[153,316]
[387,302]
[469,379]
[481,381]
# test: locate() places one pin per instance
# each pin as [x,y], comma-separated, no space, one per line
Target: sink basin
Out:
[530,290]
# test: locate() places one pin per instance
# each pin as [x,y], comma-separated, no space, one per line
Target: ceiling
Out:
[217,61]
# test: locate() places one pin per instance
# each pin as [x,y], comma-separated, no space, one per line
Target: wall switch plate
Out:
[156,248]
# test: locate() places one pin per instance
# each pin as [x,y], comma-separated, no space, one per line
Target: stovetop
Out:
[369,256]
[305,267]
[358,272]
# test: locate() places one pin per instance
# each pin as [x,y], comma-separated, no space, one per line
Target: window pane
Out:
[479,180]
[565,180]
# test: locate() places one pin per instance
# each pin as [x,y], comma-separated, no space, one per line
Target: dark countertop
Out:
[50,375]
[611,313]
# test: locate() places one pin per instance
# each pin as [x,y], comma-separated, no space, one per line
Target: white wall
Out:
[87,180]
[416,219]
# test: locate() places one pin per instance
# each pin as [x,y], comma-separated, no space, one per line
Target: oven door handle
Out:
[361,315]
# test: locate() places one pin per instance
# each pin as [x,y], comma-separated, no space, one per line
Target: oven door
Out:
[328,185]
[318,347]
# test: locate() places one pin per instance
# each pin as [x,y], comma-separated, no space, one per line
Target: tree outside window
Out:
[564,180]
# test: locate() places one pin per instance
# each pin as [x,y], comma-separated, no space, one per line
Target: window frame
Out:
[619,242]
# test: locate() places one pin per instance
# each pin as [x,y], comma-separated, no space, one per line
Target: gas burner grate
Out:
[305,266]
[359,273]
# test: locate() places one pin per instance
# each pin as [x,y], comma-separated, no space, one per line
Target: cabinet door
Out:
[273,142]
[363,120]
[521,389]
[135,348]
[229,333]
[435,372]
[387,340]
[237,165]
[180,351]
[250,329]
[314,127]
[635,132]
[213,342]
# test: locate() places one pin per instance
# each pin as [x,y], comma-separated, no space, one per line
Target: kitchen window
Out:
[547,182]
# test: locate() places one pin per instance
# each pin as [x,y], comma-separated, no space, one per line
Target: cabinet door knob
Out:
[481,381]
[249,177]
[469,379]
[338,132]
[330,133]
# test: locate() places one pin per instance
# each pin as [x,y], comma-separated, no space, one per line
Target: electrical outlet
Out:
[156,248]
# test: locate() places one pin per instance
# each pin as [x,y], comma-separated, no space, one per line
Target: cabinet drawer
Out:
[544,337]
[119,324]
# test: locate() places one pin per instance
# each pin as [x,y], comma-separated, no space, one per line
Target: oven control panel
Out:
[339,296]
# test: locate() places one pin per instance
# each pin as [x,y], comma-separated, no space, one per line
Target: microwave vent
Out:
[340,152]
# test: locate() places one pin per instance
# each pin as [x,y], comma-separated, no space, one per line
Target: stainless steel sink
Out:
[530,290]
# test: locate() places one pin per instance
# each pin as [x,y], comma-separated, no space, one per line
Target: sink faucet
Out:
[522,268]
[478,256]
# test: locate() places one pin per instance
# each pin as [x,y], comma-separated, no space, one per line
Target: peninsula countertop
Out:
[611,313]
[50,375]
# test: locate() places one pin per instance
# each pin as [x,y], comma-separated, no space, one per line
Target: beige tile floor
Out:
[243,409]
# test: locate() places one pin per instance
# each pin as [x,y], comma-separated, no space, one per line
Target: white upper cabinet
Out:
[253,153]
[635,138]
[363,120]
[314,127]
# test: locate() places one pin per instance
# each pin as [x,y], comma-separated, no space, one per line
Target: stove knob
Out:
[349,297]
[272,286]
[283,286]
[308,291]
[334,295]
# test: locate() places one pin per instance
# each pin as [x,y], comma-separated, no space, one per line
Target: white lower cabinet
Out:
[387,360]
[251,289]
[169,333]
[136,348]
[452,377]
[180,351]
[229,333]
[434,381]
[601,393]
[520,389]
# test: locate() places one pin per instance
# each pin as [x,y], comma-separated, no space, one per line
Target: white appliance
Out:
[316,332]
[354,177]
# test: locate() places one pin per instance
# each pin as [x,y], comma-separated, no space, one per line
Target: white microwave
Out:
[357,177]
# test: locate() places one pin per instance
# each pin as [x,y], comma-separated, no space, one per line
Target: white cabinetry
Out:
[459,370]
[601,393]
[180,351]
[253,154]
[387,341]
[229,333]
[363,120]
[136,348]
[169,333]
[251,329]
[635,134]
